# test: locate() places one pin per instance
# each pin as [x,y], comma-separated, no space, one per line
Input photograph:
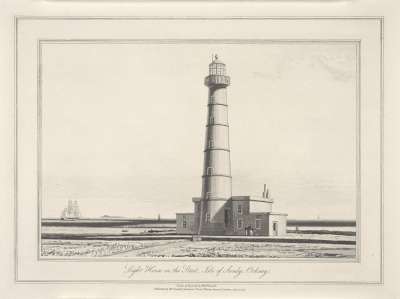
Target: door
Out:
[275,229]
[226,218]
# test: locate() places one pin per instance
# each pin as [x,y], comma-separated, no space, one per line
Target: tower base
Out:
[214,229]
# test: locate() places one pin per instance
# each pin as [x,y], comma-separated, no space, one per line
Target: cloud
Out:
[338,63]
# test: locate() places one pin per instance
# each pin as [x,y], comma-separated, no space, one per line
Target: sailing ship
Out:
[71,212]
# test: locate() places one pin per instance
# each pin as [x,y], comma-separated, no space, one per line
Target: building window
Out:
[208,195]
[239,223]
[184,222]
[207,217]
[239,209]
[258,221]
[212,99]
[211,120]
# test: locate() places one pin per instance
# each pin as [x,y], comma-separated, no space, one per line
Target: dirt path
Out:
[149,250]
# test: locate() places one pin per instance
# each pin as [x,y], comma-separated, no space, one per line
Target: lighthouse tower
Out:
[216,178]
[216,211]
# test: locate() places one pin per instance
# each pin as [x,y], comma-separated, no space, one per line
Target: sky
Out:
[124,126]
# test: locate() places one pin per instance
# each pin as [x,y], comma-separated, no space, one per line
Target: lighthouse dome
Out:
[216,60]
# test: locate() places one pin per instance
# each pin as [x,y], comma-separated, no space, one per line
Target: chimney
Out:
[265,192]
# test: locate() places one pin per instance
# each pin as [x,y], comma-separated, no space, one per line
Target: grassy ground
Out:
[187,248]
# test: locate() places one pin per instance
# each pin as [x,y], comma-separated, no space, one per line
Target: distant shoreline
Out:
[107,222]
[104,222]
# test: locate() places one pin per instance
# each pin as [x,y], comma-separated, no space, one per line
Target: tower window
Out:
[210,143]
[207,217]
[239,223]
[209,170]
[239,209]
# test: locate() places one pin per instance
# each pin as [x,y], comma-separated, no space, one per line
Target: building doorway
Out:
[275,228]
[226,218]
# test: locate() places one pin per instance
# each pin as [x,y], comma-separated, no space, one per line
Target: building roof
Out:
[252,198]
[243,198]
[277,213]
